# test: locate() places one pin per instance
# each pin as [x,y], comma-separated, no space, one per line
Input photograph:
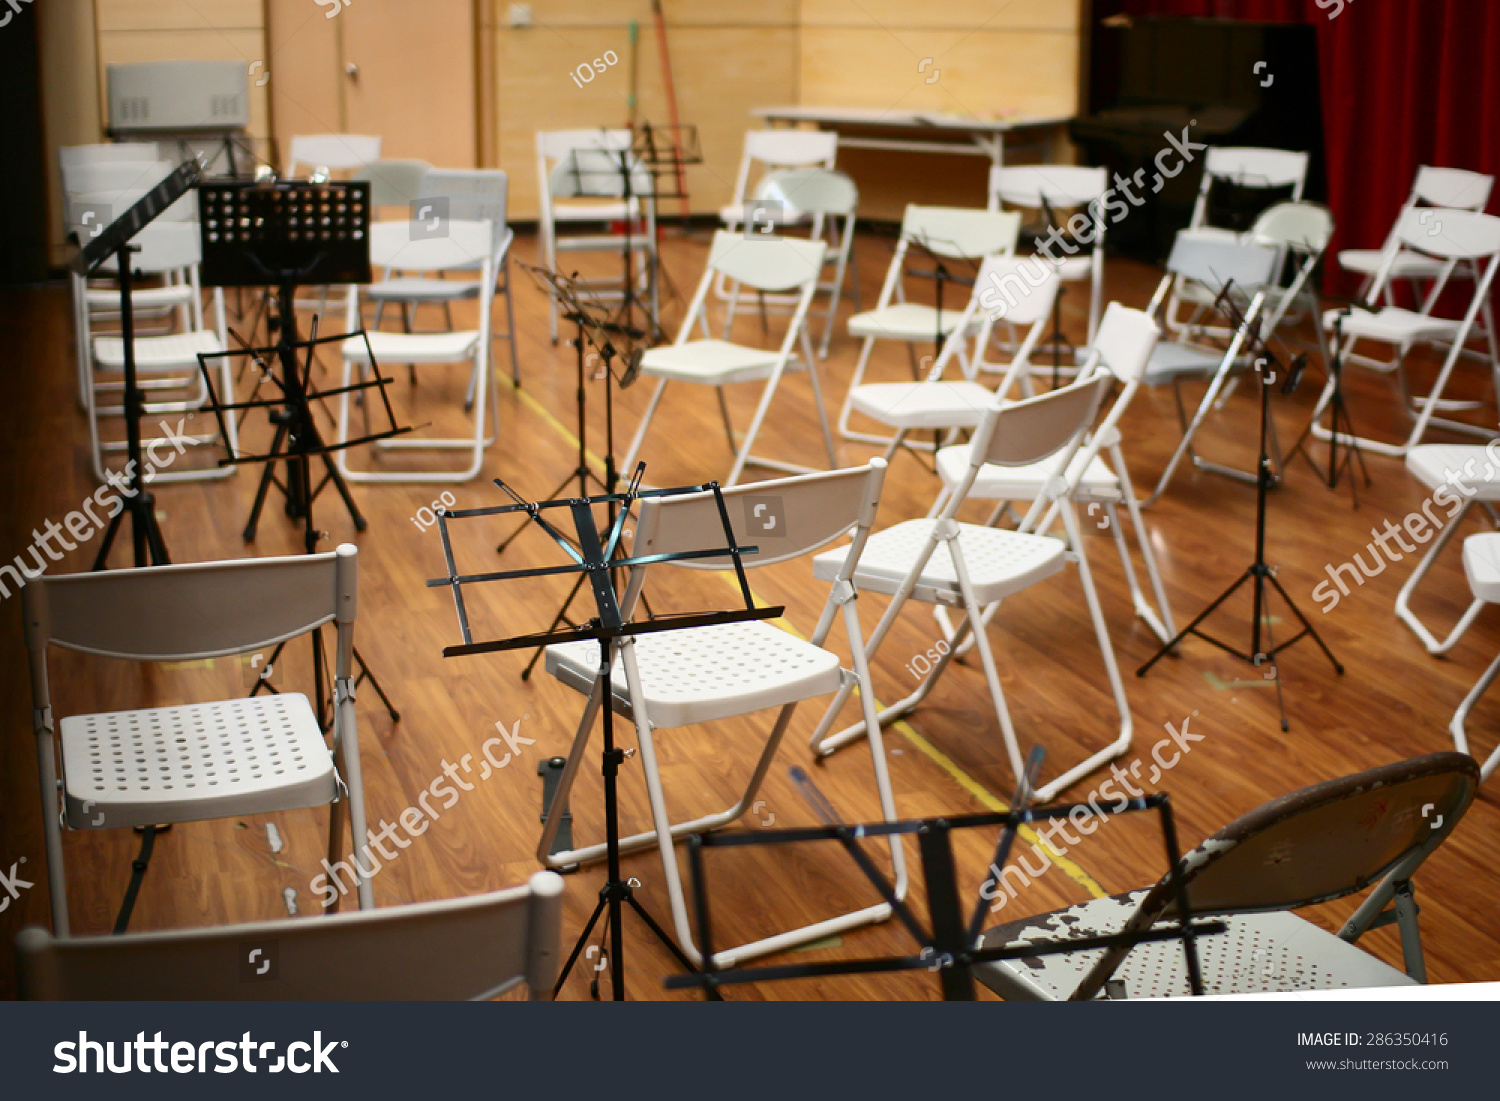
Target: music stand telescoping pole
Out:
[285,234]
[114,242]
[594,557]
[1259,573]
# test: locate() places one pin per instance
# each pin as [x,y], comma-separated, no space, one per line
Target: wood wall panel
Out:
[70,97]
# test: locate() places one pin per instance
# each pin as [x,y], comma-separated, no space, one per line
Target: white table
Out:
[987,137]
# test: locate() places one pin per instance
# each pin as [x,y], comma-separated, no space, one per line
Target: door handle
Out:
[353,70]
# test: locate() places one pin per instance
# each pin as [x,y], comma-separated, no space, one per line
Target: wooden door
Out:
[396,68]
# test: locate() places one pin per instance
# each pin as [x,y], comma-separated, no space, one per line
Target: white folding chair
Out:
[941,561]
[1245,167]
[705,674]
[1482,567]
[780,265]
[95,193]
[255,755]
[331,153]
[581,176]
[1454,238]
[458,948]
[794,196]
[1064,187]
[166,247]
[464,247]
[1443,468]
[1435,189]
[1212,264]
[953,233]
[767,152]
[1316,845]
[939,404]
[473,195]
[1123,347]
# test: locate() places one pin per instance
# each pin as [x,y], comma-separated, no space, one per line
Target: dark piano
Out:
[1155,74]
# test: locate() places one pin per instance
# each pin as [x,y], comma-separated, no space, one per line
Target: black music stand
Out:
[114,242]
[941,276]
[1259,572]
[594,558]
[259,233]
[594,327]
[1341,430]
[950,945]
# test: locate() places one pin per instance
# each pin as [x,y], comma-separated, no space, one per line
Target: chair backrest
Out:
[785,517]
[1303,226]
[555,145]
[768,264]
[463,948]
[1450,234]
[960,232]
[1215,262]
[598,174]
[335,152]
[1024,432]
[139,176]
[192,611]
[1063,185]
[473,194]
[1125,341]
[462,245]
[1249,166]
[1455,188]
[792,148]
[97,194]
[167,246]
[70,156]
[1028,284]
[394,182]
[810,191]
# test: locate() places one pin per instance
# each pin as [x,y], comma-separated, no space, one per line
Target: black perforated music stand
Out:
[594,557]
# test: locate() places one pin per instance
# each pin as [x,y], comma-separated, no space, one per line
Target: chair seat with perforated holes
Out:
[707,673]
[905,321]
[181,764]
[1277,951]
[999,562]
[923,404]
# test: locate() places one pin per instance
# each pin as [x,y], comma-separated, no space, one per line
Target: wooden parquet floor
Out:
[1394,702]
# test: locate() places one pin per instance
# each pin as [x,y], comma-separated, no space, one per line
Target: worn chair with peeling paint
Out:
[1313,846]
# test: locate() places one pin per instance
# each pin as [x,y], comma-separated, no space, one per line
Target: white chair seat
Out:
[414,347]
[923,404]
[1025,483]
[709,361]
[141,298]
[1482,566]
[1260,952]
[1391,324]
[1170,361]
[156,353]
[1430,463]
[593,210]
[181,764]
[1074,269]
[909,321]
[706,673]
[999,562]
[419,288]
[1366,261]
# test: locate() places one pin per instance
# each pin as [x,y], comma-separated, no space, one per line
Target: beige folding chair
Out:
[460,948]
[941,561]
[704,674]
[782,264]
[1315,845]
[952,233]
[194,761]
[1123,347]
[462,247]
[331,152]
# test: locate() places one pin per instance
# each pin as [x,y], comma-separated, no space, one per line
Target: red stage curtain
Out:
[1404,83]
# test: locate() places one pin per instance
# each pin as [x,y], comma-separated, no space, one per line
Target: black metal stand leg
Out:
[267,476]
[1191,628]
[1307,626]
[366,675]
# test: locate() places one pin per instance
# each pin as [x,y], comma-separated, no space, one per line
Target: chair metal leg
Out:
[1403,598]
